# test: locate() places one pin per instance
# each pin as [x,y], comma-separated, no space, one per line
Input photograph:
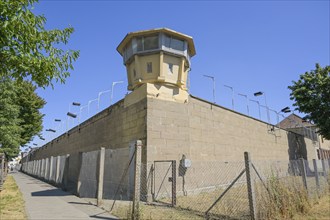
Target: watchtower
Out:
[157,63]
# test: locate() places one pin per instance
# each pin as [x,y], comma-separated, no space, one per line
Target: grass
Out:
[320,210]
[11,201]
[234,205]
[286,199]
[149,212]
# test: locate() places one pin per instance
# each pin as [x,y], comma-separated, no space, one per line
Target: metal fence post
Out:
[250,186]
[2,169]
[303,172]
[324,169]
[101,175]
[137,180]
[316,174]
[173,183]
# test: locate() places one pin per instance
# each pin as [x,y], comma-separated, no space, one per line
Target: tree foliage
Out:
[20,118]
[9,118]
[28,50]
[311,94]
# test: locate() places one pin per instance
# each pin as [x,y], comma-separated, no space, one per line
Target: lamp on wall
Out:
[286,110]
[72,115]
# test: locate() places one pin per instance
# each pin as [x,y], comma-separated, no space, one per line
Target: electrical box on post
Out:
[186,163]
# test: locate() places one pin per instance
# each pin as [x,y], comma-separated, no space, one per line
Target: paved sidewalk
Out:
[44,201]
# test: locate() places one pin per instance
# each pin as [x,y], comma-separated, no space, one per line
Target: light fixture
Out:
[286,110]
[258,93]
[71,115]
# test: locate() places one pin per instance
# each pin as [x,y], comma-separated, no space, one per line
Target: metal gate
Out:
[164,190]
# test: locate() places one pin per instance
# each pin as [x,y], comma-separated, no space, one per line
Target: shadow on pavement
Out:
[101,217]
[50,192]
[81,203]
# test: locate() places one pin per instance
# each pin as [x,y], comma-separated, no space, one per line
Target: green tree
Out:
[311,94]
[30,116]
[10,130]
[28,50]
[20,118]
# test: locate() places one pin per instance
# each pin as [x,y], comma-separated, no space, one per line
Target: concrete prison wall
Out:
[203,131]
[212,137]
[113,128]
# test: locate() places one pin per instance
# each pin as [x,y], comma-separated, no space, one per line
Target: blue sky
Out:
[249,45]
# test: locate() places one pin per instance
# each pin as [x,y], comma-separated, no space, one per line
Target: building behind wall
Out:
[298,125]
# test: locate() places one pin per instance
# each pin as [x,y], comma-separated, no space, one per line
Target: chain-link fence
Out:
[117,180]
[232,190]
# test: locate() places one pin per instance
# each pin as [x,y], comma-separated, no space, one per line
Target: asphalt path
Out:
[44,201]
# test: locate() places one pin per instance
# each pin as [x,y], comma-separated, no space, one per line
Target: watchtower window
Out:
[151,43]
[149,67]
[174,43]
[147,43]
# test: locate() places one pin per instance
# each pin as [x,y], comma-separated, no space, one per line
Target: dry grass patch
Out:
[320,210]
[11,201]
[285,198]
[155,212]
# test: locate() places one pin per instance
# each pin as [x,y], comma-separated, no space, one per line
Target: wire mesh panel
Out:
[147,179]
[280,187]
[218,188]
[163,179]
[324,175]
[311,181]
